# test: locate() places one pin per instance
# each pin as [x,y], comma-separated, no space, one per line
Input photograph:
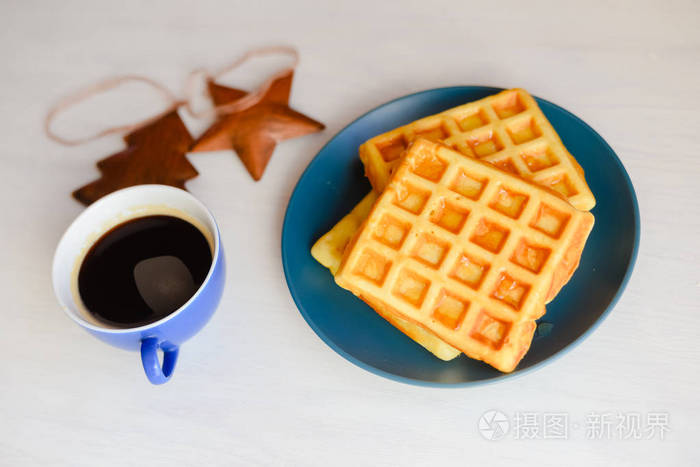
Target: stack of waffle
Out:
[477,218]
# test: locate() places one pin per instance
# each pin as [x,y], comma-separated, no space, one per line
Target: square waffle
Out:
[466,250]
[507,130]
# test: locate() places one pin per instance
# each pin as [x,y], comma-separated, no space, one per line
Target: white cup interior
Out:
[108,212]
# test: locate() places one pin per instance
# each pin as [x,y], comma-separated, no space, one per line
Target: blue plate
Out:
[334,182]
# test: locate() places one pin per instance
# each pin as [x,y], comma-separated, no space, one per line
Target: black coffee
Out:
[143,270]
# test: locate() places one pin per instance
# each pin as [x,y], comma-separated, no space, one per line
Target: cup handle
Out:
[156,373]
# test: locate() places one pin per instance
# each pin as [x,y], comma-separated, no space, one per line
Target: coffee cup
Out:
[168,333]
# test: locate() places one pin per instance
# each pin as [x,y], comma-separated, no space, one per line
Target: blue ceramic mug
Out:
[168,333]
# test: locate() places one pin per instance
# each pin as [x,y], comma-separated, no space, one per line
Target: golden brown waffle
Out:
[467,251]
[508,130]
[328,251]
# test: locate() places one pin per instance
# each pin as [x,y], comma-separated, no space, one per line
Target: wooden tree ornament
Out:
[156,147]
[155,153]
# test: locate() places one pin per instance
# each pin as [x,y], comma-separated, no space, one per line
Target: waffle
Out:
[466,250]
[462,128]
[328,251]
[507,129]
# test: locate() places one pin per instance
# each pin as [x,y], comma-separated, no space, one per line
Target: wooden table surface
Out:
[257,386]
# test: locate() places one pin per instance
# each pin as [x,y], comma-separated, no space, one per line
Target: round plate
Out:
[334,182]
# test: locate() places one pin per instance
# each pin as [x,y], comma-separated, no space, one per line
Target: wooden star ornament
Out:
[155,153]
[254,132]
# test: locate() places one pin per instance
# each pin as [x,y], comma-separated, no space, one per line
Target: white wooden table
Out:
[257,386]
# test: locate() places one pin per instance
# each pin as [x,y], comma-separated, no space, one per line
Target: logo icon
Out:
[493,425]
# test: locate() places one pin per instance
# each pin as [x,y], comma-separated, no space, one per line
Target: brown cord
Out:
[243,103]
[100,87]
[249,99]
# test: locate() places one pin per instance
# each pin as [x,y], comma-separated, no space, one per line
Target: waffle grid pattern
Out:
[464,249]
[507,130]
